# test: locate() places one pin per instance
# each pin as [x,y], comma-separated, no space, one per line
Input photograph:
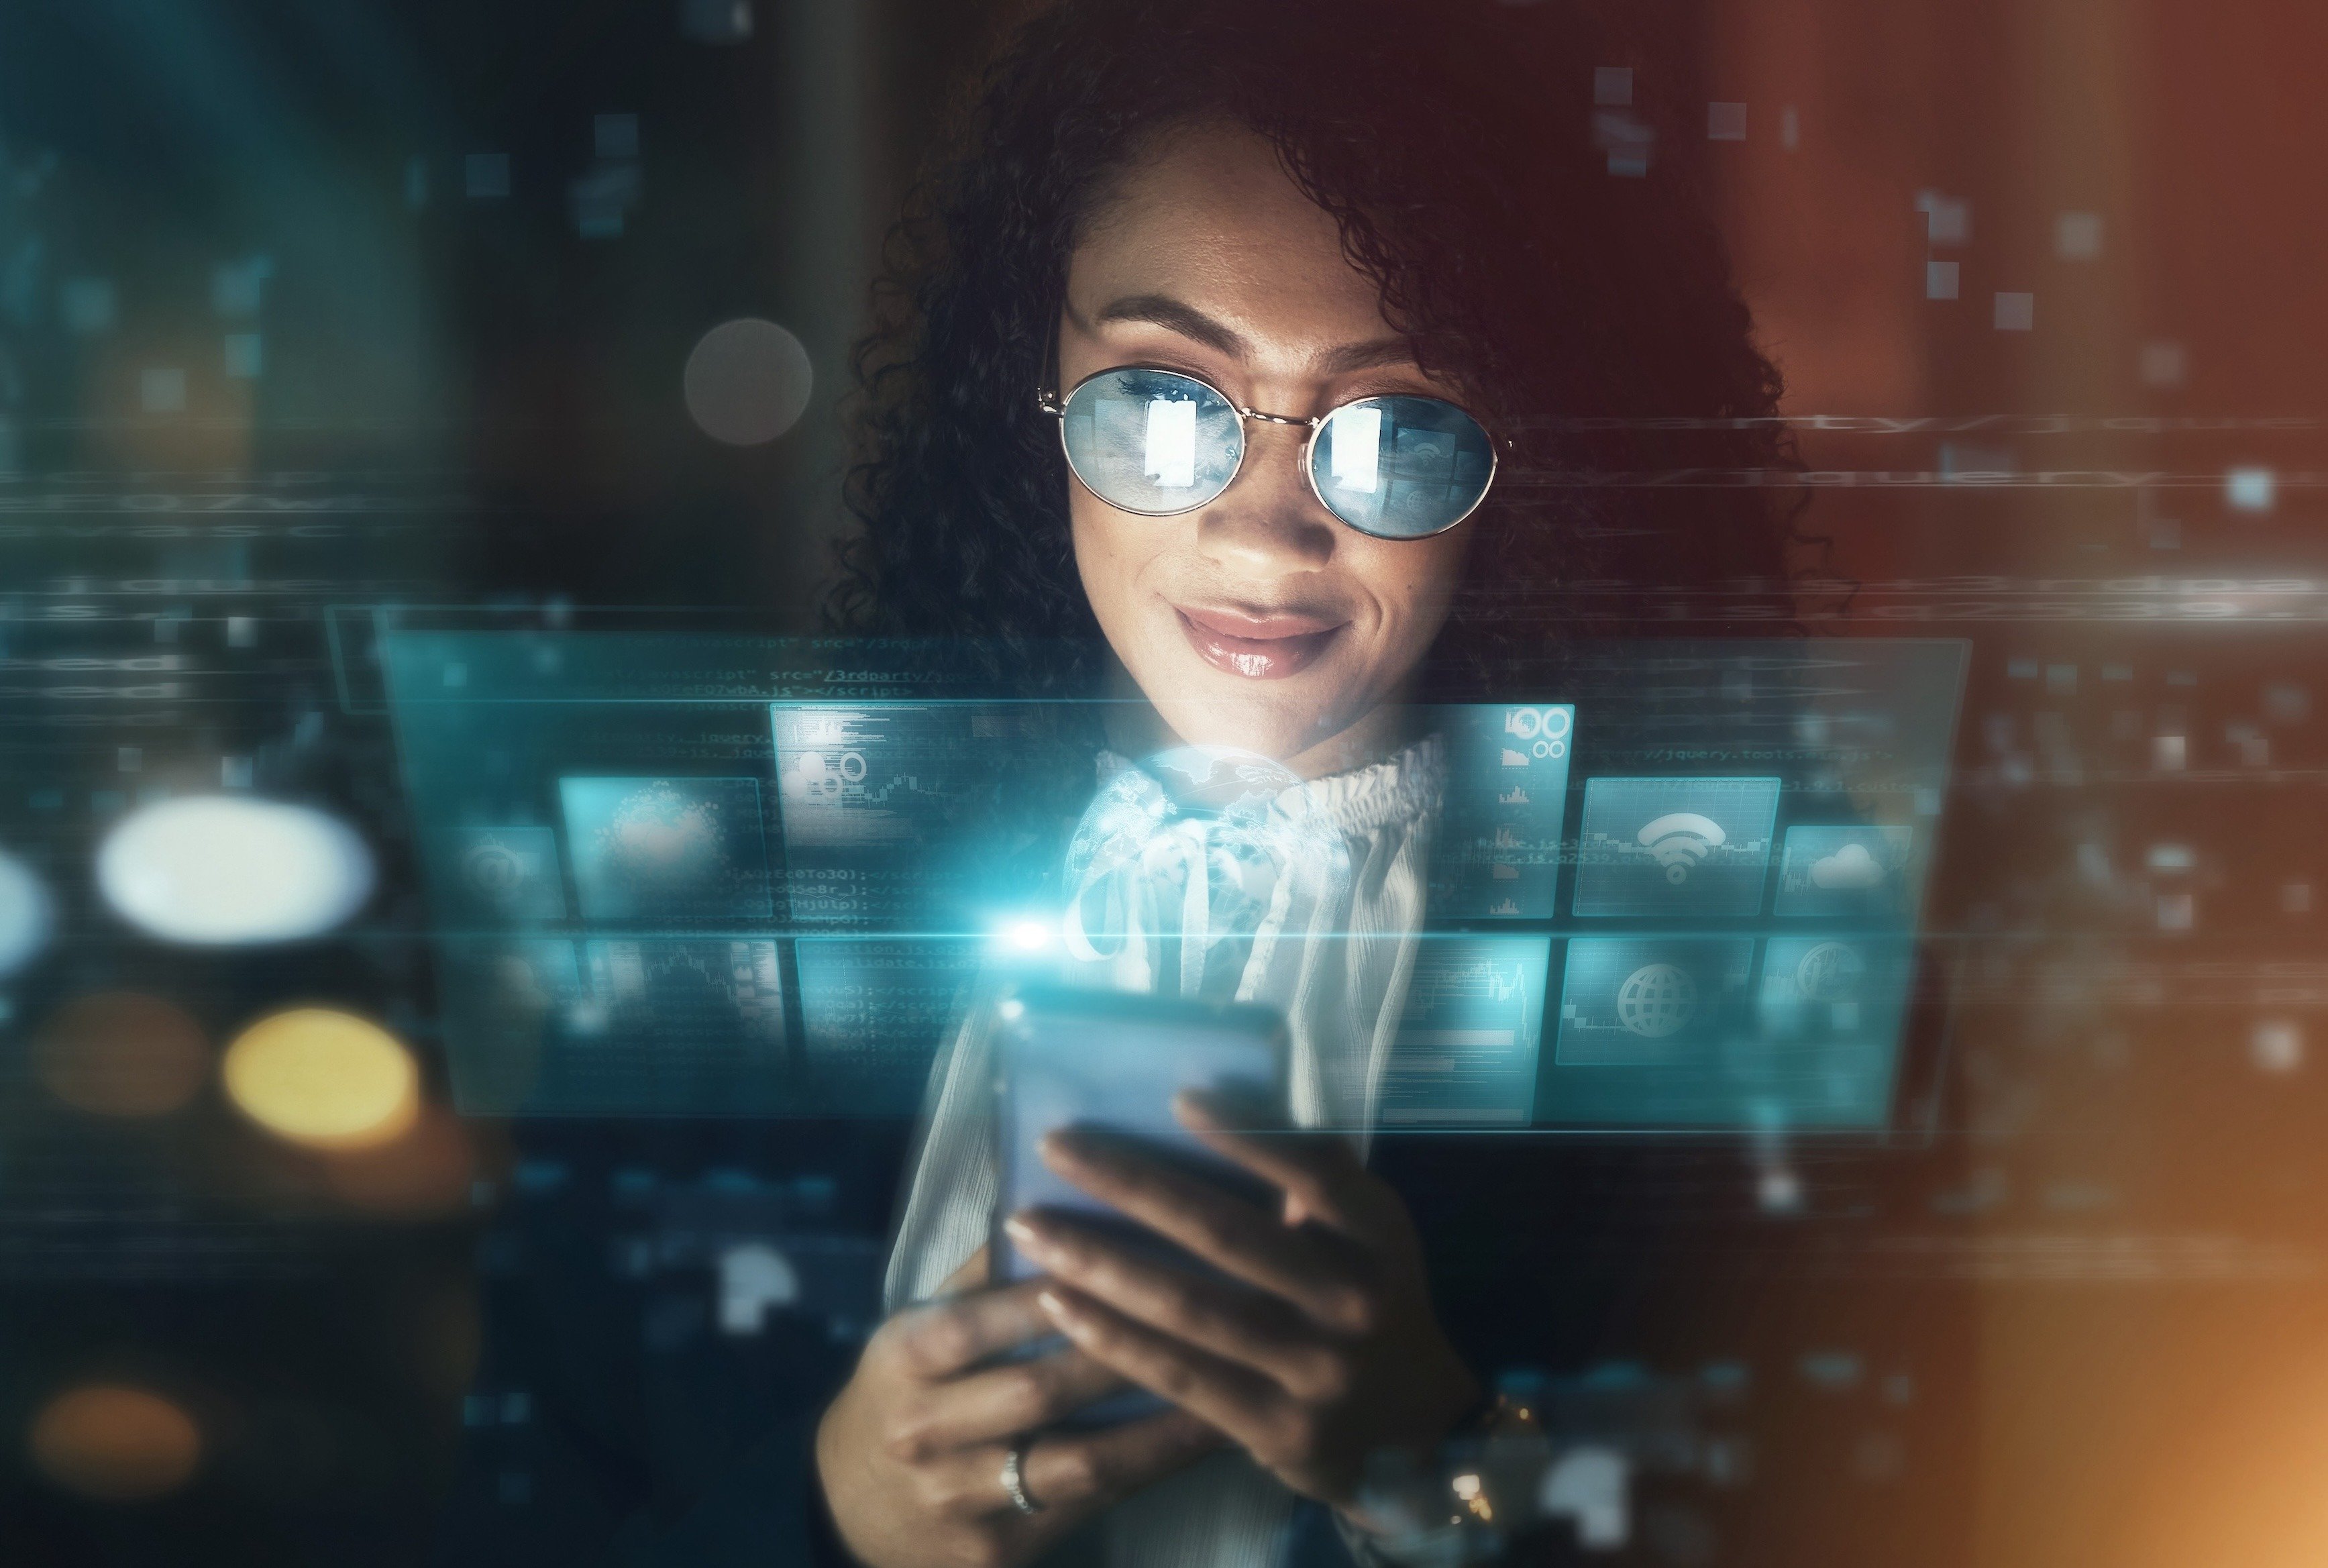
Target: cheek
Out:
[1415,582]
[1111,550]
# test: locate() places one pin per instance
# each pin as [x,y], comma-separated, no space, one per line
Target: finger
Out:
[1076,1468]
[1256,1331]
[946,1338]
[1319,1172]
[1071,1475]
[984,1407]
[1236,1400]
[971,1276]
[1231,1234]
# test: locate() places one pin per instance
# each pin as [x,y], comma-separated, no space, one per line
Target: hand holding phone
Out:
[1111,1063]
[1296,1321]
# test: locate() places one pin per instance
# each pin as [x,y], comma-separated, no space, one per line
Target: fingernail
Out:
[1058,1310]
[1023,1233]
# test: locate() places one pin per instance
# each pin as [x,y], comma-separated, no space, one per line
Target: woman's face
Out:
[1259,620]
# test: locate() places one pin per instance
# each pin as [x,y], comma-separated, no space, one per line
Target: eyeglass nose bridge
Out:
[1310,429]
[1295,420]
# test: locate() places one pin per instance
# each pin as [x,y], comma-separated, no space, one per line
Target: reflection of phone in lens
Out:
[1113,1061]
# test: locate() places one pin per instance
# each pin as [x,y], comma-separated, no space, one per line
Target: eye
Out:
[1154,382]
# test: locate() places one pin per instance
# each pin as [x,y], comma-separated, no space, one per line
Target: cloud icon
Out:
[1851,866]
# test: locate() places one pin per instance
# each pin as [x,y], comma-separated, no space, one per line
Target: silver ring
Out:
[1014,1477]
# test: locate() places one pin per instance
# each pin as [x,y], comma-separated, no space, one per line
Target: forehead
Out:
[1207,216]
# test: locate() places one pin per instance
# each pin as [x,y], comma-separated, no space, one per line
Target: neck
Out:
[1134,728]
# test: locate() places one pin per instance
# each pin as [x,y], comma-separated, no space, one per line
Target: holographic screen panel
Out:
[1681,848]
[1468,1038]
[1497,856]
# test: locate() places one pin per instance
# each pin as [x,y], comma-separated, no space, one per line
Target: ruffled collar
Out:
[1399,790]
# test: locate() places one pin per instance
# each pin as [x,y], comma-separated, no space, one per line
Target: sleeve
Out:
[950,1200]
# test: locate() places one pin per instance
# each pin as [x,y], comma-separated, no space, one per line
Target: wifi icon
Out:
[1664,846]
[1678,841]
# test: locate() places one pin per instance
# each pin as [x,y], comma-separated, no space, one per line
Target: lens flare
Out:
[221,869]
[118,1053]
[116,1444]
[323,1078]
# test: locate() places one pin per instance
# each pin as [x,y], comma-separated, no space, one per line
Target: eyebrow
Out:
[1178,316]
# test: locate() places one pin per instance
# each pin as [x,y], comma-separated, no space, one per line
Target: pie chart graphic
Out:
[1831,971]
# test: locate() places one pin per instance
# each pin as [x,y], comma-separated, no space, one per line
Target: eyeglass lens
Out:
[1156,443]
[1152,442]
[1401,467]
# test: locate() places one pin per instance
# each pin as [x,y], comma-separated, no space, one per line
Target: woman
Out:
[1304,207]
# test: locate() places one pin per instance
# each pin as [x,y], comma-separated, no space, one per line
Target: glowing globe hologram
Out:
[1221,780]
[225,869]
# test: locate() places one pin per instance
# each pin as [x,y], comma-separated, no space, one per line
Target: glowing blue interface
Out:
[1675,886]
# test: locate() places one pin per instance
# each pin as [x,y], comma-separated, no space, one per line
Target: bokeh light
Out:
[426,1171]
[119,1053]
[324,1078]
[115,1443]
[747,381]
[225,869]
[26,914]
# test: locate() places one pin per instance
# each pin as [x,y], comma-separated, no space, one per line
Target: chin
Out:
[1280,725]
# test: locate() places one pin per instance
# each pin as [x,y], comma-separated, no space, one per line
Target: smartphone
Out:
[1113,1060]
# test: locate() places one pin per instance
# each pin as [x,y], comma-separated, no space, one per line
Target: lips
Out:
[1256,647]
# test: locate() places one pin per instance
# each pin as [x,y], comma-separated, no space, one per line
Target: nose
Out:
[1268,522]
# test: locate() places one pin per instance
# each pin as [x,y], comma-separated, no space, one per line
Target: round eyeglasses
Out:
[1158,443]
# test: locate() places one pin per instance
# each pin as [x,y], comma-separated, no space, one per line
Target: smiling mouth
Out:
[1257,648]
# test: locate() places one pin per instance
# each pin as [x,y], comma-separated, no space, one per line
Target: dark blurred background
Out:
[307,304]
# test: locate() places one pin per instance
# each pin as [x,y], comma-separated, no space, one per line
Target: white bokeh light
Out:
[217,869]
[747,382]
[26,914]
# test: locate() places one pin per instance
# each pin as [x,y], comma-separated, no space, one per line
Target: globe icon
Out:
[1655,1001]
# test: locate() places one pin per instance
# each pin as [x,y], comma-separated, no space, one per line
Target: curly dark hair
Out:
[1458,149]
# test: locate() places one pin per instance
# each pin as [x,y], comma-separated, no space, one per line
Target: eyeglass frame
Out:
[1053,403]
